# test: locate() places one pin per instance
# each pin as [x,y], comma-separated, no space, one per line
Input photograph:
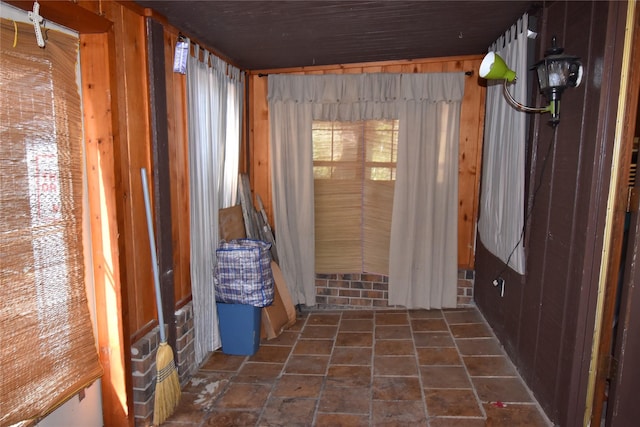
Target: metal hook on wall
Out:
[37,20]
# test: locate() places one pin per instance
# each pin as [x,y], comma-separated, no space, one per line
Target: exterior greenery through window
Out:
[354,166]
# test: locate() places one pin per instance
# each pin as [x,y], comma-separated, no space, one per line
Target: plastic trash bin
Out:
[239,328]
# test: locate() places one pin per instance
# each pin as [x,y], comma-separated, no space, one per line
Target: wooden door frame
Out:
[621,407]
[627,109]
[100,112]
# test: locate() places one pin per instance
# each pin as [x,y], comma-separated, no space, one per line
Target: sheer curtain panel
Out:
[214,97]
[501,221]
[427,107]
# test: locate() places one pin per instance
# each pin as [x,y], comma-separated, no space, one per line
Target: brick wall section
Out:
[143,367]
[185,351]
[143,364]
[465,287]
[363,290]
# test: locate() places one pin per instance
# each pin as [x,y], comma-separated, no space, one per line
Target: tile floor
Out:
[432,368]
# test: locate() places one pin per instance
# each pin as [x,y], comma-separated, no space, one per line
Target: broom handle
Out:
[154,257]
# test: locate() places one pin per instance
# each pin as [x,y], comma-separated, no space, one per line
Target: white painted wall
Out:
[75,412]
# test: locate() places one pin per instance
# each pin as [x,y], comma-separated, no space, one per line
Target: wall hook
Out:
[37,20]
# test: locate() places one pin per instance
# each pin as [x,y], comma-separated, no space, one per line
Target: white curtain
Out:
[235,99]
[214,98]
[425,203]
[501,219]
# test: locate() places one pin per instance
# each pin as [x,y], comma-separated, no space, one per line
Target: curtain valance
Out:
[364,96]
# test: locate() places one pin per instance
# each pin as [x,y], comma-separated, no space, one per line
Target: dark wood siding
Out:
[546,317]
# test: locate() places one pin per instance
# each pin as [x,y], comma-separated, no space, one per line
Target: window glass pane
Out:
[322,144]
[381,173]
[381,141]
[322,172]
[337,150]
[379,137]
[348,141]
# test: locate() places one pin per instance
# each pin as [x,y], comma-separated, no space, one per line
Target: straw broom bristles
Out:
[167,385]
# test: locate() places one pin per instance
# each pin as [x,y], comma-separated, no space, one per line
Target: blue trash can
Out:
[239,328]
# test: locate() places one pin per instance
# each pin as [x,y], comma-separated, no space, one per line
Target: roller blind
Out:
[354,166]
[48,352]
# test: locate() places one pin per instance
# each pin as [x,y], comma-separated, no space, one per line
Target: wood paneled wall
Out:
[179,170]
[471,133]
[546,318]
[134,153]
[115,92]
[100,111]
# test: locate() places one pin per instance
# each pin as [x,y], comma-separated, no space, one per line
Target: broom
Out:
[167,382]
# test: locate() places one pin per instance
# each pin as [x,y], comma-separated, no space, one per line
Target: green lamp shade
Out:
[494,68]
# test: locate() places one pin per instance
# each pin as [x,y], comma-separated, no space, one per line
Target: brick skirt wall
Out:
[364,290]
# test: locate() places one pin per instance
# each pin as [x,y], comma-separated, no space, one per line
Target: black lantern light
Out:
[556,72]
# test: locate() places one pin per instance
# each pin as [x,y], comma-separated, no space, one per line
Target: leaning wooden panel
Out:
[231,223]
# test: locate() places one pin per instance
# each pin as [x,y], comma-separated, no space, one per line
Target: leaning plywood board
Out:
[266,233]
[248,211]
[231,223]
[283,290]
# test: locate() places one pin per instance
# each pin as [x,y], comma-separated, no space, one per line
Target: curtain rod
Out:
[466,73]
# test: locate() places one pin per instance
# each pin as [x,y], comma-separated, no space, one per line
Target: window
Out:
[354,166]
[48,351]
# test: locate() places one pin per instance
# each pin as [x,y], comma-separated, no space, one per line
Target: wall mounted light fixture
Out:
[556,72]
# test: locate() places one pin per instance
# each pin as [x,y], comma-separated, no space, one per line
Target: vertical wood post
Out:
[161,172]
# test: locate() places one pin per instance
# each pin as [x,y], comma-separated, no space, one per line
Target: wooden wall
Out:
[135,153]
[546,318]
[115,86]
[471,132]
[179,170]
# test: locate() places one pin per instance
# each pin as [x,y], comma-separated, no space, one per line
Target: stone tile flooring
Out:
[434,368]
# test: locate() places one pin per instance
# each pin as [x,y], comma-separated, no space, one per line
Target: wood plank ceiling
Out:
[262,35]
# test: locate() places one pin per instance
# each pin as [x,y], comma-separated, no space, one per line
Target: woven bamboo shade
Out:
[338,226]
[354,167]
[48,352]
[378,204]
